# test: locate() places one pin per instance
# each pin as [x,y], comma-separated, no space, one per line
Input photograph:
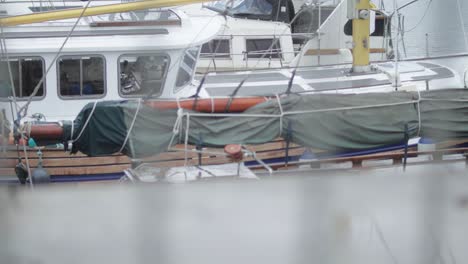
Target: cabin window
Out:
[81,76]
[26,74]
[256,48]
[243,7]
[155,17]
[37,9]
[142,74]
[219,48]
[187,67]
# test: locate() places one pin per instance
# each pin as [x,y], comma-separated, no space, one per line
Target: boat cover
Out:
[330,122]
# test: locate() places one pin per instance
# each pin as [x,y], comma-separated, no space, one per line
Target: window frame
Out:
[163,79]
[39,9]
[177,88]
[218,57]
[81,97]
[44,83]
[274,39]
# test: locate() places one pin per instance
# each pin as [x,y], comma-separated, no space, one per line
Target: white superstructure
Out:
[106,58]
[154,53]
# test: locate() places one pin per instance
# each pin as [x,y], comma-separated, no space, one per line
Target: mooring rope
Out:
[281,114]
[129,131]
[85,124]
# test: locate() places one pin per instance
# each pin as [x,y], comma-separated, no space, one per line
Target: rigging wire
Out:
[24,109]
[273,44]
[202,81]
[180,57]
[291,80]
[422,18]
[15,121]
[462,25]
[176,63]
[426,11]
[400,27]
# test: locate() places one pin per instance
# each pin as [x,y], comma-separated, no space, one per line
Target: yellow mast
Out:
[359,12]
[91,11]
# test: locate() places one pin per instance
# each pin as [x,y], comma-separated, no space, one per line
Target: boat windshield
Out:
[243,7]
[141,15]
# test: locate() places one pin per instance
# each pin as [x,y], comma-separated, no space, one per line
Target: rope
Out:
[212,104]
[281,114]
[177,123]
[28,129]
[85,124]
[131,126]
[72,129]
[418,105]
[178,103]
[186,140]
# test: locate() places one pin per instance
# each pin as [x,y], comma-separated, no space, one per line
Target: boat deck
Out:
[267,83]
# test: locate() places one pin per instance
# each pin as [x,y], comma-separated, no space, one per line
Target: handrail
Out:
[357,161]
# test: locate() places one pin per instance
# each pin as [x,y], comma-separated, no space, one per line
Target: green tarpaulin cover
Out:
[341,122]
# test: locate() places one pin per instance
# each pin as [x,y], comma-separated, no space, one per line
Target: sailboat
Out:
[148,58]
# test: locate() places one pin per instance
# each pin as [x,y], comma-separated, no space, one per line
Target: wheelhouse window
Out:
[142,75]
[142,17]
[81,76]
[26,73]
[187,67]
[268,48]
[243,7]
[37,9]
[219,48]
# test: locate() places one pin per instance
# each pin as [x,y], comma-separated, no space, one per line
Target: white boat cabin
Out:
[108,57]
[256,34]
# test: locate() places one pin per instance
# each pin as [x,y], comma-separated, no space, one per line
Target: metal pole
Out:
[397,52]
[318,30]
[427,44]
